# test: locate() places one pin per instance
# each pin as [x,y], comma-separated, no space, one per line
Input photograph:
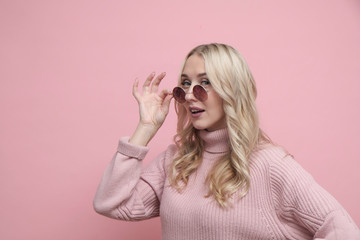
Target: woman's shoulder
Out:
[270,154]
[279,164]
[275,159]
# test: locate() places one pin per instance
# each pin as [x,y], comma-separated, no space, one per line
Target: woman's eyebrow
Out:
[199,75]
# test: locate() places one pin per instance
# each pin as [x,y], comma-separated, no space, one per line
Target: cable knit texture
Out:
[284,201]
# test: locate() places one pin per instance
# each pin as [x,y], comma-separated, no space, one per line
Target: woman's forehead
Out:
[194,66]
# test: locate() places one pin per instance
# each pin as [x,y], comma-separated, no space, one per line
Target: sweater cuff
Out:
[130,150]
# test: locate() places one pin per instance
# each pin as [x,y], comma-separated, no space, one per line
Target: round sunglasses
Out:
[199,92]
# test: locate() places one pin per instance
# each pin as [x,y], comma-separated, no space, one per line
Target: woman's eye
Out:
[186,83]
[205,82]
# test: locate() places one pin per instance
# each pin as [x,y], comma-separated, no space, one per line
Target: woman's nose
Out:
[189,96]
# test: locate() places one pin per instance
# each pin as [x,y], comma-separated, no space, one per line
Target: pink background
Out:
[66,71]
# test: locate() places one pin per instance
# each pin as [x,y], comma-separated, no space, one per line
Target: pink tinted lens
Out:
[200,93]
[179,94]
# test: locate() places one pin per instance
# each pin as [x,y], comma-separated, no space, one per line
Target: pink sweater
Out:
[284,201]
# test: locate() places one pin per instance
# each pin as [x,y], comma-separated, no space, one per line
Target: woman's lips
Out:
[196,112]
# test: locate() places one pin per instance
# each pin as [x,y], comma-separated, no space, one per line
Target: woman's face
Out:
[209,114]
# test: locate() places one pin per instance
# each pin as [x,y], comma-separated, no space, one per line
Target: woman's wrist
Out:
[143,134]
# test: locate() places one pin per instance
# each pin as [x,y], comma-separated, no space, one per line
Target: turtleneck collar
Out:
[216,141]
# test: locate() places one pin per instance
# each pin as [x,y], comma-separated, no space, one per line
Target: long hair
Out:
[232,80]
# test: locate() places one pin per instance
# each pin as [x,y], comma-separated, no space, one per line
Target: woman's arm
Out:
[122,193]
[304,207]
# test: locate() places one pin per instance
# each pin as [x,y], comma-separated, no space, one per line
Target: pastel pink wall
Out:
[66,71]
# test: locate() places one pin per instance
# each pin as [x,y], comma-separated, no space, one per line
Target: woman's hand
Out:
[153,108]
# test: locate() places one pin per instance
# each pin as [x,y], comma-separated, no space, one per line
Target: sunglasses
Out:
[199,92]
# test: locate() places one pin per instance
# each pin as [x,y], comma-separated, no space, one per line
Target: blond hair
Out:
[232,80]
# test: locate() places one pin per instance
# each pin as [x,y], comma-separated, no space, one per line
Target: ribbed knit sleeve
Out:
[304,207]
[155,174]
[122,193]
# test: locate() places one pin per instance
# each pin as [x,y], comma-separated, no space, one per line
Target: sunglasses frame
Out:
[197,91]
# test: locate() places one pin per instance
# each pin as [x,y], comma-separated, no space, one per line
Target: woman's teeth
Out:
[196,111]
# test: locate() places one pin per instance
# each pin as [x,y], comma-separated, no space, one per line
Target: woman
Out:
[223,178]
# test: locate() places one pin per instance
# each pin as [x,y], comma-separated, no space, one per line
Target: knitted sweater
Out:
[284,201]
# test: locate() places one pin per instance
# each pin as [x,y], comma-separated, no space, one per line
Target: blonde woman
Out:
[222,178]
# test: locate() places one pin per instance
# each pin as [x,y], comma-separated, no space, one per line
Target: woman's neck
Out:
[215,141]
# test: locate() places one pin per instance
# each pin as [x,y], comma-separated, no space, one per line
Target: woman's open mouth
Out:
[196,112]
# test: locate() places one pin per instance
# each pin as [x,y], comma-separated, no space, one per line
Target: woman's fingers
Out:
[150,86]
[166,103]
[166,96]
[135,90]
[148,82]
[164,93]
[156,82]
[153,105]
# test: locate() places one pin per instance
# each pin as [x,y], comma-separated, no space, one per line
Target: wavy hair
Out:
[232,80]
